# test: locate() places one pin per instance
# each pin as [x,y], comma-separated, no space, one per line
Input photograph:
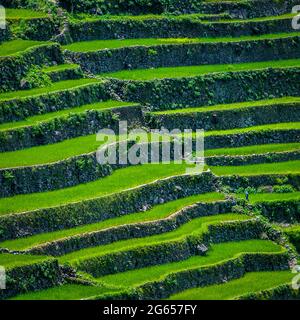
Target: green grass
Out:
[124,280]
[83,145]
[34,120]
[23,14]
[142,17]
[217,253]
[293,233]
[95,45]
[289,167]
[156,213]
[60,67]
[49,153]
[194,227]
[13,47]
[292,228]
[267,127]
[127,178]
[204,18]
[267,197]
[257,149]
[10,261]
[233,106]
[194,71]
[250,283]
[65,292]
[258,19]
[120,180]
[55,86]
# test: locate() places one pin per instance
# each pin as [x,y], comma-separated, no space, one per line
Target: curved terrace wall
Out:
[188,54]
[99,209]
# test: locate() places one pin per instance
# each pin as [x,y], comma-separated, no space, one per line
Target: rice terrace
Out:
[210,210]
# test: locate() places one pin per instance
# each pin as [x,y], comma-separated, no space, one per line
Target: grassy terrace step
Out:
[288,167]
[34,120]
[60,68]
[173,26]
[96,45]
[25,273]
[276,126]
[229,116]
[83,145]
[195,227]
[204,18]
[14,47]
[157,212]
[172,220]
[62,72]
[11,261]
[66,292]
[49,153]
[143,17]
[24,14]
[120,180]
[57,86]
[251,283]
[257,19]
[244,8]
[193,71]
[232,106]
[257,149]
[217,253]
[269,197]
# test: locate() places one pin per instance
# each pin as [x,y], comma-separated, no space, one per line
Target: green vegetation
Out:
[232,106]
[60,67]
[127,178]
[10,261]
[257,149]
[157,212]
[56,86]
[293,233]
[259,19]
[295,227]
[43,88]
[194,227]
[83,145]
[36,78]
[143,17]
[49,153]
[121,179]
[13,47]
[263,197]
[95,45]
[23,14]
[250,283]
[217,253]
[30,121]
[258,169]
[194,71]
[203,18]
[65,292]
[275,126]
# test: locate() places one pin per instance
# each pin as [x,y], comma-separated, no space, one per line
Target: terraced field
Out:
[73,228]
